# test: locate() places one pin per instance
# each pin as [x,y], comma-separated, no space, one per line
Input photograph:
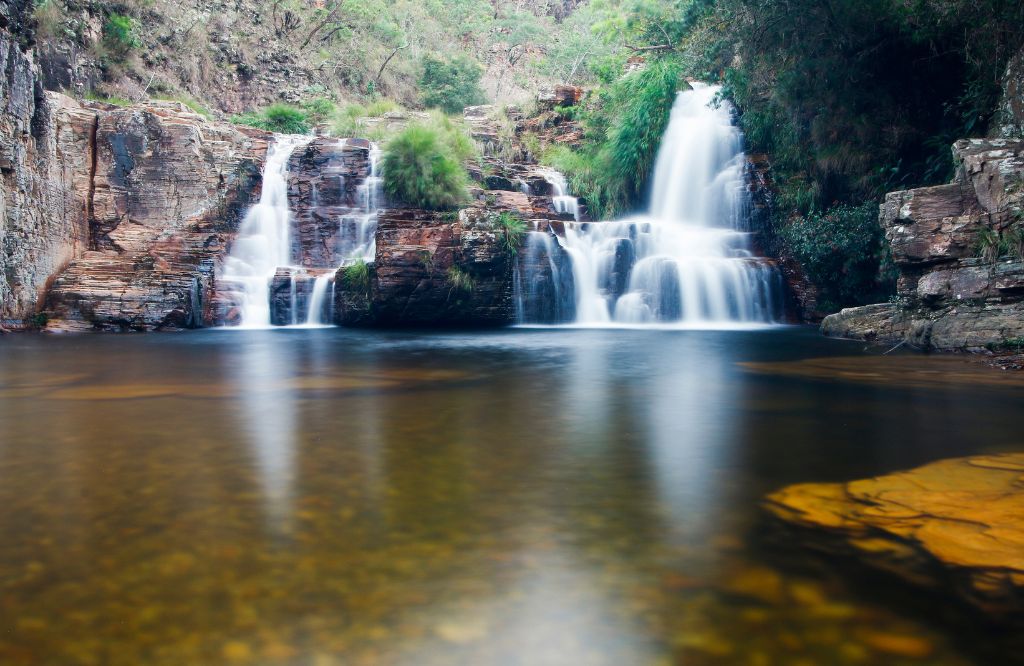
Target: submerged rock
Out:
[956,525]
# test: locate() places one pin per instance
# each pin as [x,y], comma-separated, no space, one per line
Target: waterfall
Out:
[688,260]
[264,239]
[268,285]
[318,299]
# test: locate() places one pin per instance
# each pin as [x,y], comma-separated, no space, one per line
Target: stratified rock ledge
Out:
[956,525]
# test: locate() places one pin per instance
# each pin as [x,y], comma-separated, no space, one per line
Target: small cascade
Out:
[264,238]
[270,287]
[319,305]
[360,226]
[563,202]
[688,261]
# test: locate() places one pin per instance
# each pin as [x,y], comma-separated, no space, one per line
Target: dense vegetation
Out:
[424,165]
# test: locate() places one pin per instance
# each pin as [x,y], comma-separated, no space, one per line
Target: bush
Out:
[460,280]
[844,253]
[450,85]
[119,35]
[282,118]
[423,167]
[512,231]
[623,127]
[357,276]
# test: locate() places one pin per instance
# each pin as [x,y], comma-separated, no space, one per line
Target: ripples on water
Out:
[515,497]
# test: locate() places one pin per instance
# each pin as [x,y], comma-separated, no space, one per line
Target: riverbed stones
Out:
[956,525]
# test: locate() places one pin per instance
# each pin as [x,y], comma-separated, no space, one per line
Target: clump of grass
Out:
[423,165]
[357,276]
[189,102]
[512,231]
[93,96]
[282,118]
[460,280]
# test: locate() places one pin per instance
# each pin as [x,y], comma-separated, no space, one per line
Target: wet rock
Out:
[956,525]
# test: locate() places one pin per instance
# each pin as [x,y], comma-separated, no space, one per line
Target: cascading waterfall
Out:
[264,238]
[263,247]
[687,261]
[563,202]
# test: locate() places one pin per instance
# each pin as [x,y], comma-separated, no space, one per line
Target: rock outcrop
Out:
[431,269]
[957,525]
[168,189]
[1009,120]
[959,249]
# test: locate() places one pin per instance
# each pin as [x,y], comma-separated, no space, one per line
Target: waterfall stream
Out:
[262,254]
[688,261]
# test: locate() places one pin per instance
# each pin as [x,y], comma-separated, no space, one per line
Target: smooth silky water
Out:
[324,496]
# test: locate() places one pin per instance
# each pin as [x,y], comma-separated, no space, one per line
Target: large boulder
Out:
[956,525]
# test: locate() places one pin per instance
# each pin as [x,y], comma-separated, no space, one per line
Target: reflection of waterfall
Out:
[689,260]
[264,239]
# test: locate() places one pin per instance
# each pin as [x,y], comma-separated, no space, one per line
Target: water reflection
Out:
[535,497]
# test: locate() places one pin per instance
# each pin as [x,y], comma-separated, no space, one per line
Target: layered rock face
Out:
[439,269]
[167,192]
[45,161]
[958,249]
[957,525]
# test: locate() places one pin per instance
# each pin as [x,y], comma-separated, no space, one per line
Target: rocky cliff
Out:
[111,217]
[959,249]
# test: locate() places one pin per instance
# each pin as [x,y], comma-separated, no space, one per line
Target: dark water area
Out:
[525,496]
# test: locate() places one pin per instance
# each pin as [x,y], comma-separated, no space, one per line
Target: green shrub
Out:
[460,280]
[844,253]
[450,85]
[357,276]
[319,110]
[119,35]
[282,118]
[624,125]
[512,229]
[98,97]
[422,168]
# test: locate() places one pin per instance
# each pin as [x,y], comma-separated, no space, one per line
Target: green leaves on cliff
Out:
[843,253]
[283,118]
[624,122]
[423,165]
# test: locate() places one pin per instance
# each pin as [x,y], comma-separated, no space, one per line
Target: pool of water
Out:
[524,496]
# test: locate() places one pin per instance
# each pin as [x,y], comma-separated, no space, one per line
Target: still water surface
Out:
[511,497]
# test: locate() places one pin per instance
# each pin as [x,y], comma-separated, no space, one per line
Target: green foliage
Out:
[624,123]
[93,96]
[119,35]
[423,166]
[844,253]
[460,280]
[189,102]
[357,276]
[512,229]
[283,118]
[450,85]
[992,244]
[38,321]
[319,110]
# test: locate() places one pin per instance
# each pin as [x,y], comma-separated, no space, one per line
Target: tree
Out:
[450,85]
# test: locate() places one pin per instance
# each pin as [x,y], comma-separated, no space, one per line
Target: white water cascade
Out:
[264,248]
[264,239]
[689,260]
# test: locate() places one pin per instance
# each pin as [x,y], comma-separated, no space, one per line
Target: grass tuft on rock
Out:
[423,165]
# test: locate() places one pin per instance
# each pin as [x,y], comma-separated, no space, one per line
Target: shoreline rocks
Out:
[955,290]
